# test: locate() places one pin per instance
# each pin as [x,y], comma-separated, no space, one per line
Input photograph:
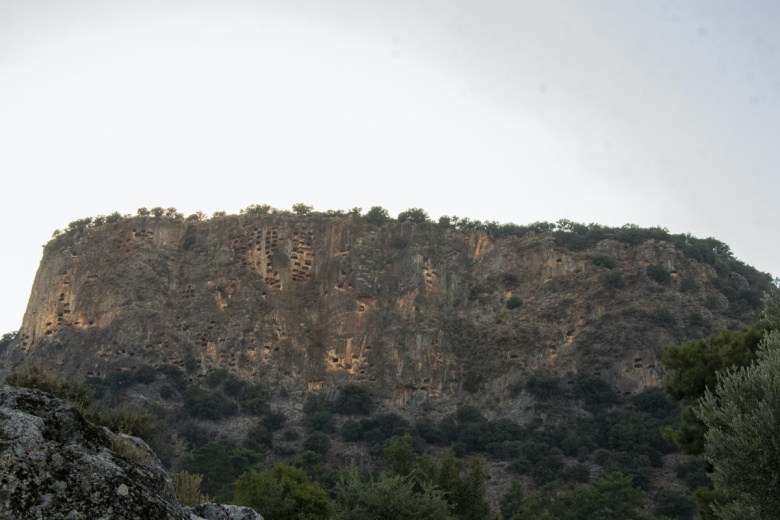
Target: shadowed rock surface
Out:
[222,512]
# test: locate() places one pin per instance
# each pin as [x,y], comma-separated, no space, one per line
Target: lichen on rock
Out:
[54,464]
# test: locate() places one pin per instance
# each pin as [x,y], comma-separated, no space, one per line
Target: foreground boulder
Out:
[222,512]
[54,464]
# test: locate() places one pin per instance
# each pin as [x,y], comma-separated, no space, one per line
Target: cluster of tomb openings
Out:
[429,275]
[343,282]
[63,306]
[137,235]
[271,243]
[638,363]
[187,293]
[302,256]
[357,361]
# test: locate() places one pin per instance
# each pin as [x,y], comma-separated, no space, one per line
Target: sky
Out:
[657,113]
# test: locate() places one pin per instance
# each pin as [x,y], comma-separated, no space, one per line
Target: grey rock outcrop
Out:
[211,511]
[54,464]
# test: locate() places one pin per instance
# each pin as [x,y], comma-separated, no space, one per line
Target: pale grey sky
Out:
[650,112]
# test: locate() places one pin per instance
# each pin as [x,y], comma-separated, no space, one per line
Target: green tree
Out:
[257,209]
[354,400]
[612,497]
[377,215]
[282,493]
[416,215]
[512,501]
[220,465]
[743,433]
[399,456]
[693,367]
[393,496]
[302,209]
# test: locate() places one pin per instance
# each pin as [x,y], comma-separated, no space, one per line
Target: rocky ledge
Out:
[54,464]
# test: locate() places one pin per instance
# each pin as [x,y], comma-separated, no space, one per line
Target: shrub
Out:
[377,215]
[145,374]
[543,386]
[603,261]
[187,487]
[258,438]
[253,399]
[352,431]
[282,493]
[399,242]
[120,380]
[220,465]
[663,317]
[614,280]
[578,473]
[659,274]
[674,504]
[319,421]
[416,215]
[514,302]
[6,339]
[39,378]
[469,414]
[203,404]
[274,421]
[317,442]
[215,378]
[354,400]
[166,391]
[593,390]
[233,386]
[174,376]
[316,402]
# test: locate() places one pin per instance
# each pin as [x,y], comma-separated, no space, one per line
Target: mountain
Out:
[427,316]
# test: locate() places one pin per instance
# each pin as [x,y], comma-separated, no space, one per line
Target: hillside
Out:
[426,317]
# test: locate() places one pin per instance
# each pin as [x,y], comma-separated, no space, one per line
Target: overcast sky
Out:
[649,112]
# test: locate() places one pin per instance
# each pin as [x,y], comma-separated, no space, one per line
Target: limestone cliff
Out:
[425,315]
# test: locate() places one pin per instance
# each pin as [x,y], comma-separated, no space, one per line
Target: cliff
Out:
[426,316]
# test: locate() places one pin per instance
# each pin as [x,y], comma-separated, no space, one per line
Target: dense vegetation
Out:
[604,460]
[729,384]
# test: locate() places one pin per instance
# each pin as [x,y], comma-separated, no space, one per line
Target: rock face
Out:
[222,512]
[56,465]
[425,316]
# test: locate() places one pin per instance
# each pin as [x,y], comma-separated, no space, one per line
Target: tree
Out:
[173,213]
[354,400]
[512,501]
[283,493]
[399,456]
[612,497]
[693,367]
[302,209]
[392,496]
[257,209]
[198,216]
[377,215]
[416,215]
[741,442]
